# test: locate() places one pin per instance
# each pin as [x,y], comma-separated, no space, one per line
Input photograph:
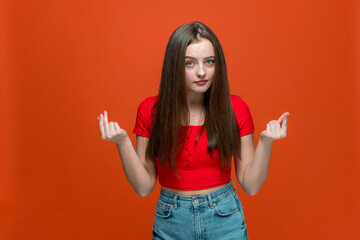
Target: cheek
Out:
[212,72]
[211,76]
[188,76]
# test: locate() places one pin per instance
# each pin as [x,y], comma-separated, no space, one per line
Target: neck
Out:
[195,101]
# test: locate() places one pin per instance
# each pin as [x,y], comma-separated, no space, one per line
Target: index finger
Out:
[106,123]
[284,124]
[283,116]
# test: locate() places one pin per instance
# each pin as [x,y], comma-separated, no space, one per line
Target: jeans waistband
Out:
[209,199]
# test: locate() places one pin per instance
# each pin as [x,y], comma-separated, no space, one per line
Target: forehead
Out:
[200,48]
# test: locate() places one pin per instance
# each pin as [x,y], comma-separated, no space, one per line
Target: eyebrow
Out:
[196,59]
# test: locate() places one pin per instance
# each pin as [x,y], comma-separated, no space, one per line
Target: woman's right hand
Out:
[111,131]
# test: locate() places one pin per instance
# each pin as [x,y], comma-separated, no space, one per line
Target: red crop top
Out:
[197,170]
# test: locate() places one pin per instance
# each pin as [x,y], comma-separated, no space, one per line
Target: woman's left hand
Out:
[275,129]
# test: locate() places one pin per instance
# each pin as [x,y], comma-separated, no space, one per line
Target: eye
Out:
[189,64]
[210,62]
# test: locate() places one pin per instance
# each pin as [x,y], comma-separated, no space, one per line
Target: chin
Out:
[197,91]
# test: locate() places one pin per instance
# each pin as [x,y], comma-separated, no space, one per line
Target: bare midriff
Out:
[193,193]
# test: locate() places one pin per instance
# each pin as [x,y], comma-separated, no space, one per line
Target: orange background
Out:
[64,62]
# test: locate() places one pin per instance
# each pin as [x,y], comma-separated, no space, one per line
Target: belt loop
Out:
[210,200]
[175,201]
[232,183]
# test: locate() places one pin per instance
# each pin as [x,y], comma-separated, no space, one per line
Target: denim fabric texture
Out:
[214,216]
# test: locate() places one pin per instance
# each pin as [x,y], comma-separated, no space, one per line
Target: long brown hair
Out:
[171,110]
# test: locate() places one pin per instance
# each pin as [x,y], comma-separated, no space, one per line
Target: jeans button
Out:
[196,201]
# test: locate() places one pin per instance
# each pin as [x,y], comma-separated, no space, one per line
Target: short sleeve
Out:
[243,116]
[143,117]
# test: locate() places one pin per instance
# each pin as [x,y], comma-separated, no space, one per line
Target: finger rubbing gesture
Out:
[110,131]
[276,129]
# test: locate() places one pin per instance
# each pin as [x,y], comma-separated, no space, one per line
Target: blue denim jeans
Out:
[217,215]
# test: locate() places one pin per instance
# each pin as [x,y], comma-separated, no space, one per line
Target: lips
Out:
[201,82]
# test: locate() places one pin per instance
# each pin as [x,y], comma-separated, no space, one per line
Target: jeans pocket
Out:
[163,210]
[226,207]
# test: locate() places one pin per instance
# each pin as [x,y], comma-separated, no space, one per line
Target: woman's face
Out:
[199,66]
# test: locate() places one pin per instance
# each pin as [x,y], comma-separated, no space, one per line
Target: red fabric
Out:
[197,170]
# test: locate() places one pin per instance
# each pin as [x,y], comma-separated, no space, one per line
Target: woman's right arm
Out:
[140,172]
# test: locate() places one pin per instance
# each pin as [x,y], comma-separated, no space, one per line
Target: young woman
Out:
[187,137]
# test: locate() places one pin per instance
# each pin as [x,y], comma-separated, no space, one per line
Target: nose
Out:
[201,71]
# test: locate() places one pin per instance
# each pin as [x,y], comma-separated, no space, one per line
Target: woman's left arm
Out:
[253,166]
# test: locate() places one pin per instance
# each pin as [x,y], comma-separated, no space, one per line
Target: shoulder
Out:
[144,117]
[149,101]
[148,104]
[243,115]
[238,103]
